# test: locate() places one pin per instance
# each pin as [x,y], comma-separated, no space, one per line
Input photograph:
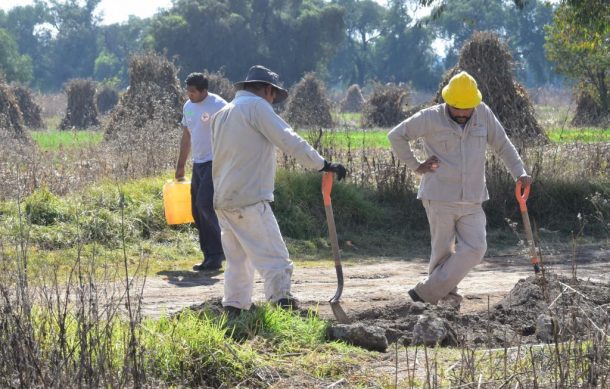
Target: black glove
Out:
[336,168]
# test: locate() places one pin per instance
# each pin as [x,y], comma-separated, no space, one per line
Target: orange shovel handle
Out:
[522,195]
[327,187]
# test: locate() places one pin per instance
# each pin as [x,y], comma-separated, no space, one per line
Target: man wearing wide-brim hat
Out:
[455,136]
[245,134]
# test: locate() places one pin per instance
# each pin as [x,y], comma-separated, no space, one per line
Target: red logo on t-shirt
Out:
[205,117]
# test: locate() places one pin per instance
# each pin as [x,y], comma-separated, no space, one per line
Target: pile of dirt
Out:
[106,99]
[308,105]
[82,111]
[153,96]
[489,61]
[353,101]
[11,119]
[589,111]
[538,309]
[385,107]
[220,85]
[31,111]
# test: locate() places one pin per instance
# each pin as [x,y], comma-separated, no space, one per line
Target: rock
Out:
[504,336]
[430,330]
[417,307]
[361,335]
[545,328]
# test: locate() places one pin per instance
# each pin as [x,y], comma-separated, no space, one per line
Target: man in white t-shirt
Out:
[196,138]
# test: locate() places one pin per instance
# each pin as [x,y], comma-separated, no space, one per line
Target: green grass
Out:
[202,347]
[343,139]
[378,139]
[586,135]
[53,140]
[352,119]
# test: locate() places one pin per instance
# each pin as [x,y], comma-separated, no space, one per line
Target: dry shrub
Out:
[81,112]
[308,105]
[106,98]
[11,119]
[589,112]
[220,85]
[385,107]
[489,61]
[353,101]
[31,111]
[143,128]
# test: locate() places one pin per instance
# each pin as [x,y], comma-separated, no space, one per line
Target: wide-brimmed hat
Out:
[462,92]
[258,73]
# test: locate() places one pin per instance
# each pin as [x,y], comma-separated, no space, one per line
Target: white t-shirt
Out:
[196,117]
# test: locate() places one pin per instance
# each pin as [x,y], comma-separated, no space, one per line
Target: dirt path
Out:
[376,281]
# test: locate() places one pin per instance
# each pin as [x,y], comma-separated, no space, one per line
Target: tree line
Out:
[343,41]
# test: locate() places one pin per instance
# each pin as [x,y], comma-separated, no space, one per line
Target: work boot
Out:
[415,297]
[209,265]
[289,303]
[234,312]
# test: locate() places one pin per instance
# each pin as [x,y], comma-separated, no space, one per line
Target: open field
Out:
[57,139]
[95,284]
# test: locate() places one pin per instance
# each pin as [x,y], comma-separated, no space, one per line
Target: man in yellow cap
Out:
[455,136]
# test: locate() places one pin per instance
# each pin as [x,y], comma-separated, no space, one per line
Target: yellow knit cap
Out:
[462,92]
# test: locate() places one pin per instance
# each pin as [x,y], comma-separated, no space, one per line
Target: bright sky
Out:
[113,11]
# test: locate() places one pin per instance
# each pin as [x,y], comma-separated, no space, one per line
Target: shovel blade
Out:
[339,313]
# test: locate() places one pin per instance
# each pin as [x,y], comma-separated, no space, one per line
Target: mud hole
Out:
[538,309]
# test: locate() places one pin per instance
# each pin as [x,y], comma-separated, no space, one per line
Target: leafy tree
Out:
[116,42]
[578,42]
[522,29]
[23,24]
[107,68]
[290,37]
[15,66]
[74,49]
[364,21]
[404,51]
[526,36]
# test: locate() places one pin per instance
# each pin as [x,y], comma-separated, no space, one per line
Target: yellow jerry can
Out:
[177,202]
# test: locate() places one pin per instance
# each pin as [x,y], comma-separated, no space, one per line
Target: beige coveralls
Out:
[453,194]
[245,134]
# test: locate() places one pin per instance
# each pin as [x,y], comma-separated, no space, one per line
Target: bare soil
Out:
[377,282]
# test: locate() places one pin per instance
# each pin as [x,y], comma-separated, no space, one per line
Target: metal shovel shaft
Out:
[340,315]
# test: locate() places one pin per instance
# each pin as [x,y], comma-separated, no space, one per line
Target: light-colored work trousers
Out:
[458,245]
[251,240]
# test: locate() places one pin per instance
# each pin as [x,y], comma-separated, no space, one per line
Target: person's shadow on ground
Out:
[188,279]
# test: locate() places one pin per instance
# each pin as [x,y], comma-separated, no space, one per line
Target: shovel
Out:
[522,196]
[327,185]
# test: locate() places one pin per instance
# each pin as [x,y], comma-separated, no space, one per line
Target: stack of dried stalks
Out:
[153,96]
[385,107]
[353,101]
[589,111]
[31,111]
[220,85]
[11,119]
[489,61]
[106,98]
[81,112]
[308,105]
[143,128]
